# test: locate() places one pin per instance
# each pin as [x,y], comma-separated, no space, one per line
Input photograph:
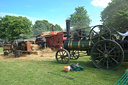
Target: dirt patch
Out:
[36,54]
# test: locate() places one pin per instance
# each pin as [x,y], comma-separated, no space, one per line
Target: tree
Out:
[12,27]
[116,14]
[41,26]
[38,27]
[80,19]
[57,27]
[44,26]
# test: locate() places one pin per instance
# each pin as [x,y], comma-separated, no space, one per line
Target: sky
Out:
[55,11]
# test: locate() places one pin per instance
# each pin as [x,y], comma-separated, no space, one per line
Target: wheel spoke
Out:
[59,53]
[99,35]
[110,61]
[65,59]
[112,55]
[65,52]
[103,61]
[105,46]
[100,51]
[95,32]
[107,64]
[116,52]
[59,57]
[100,60]
[115,60]
[102,37]
[112,50]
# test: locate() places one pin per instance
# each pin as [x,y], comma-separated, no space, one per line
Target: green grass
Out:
[33,72]
[1,49]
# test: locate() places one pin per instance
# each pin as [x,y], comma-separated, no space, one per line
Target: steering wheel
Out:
[99,32]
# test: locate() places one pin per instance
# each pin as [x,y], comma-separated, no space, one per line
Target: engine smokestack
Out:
[68,35]
[68,28]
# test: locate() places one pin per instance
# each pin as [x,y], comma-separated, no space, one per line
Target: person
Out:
[124,43]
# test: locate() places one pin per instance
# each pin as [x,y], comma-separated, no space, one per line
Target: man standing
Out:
[124,43]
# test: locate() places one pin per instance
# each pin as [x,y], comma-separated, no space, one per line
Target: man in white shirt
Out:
[125,41]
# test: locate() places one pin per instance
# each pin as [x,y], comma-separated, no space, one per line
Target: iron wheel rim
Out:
[107,54]
[62,56]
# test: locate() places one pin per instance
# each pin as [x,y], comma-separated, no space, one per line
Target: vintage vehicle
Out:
[53,39]
[105,52]
[17,47]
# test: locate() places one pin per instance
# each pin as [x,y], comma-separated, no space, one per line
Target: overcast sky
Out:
[55,11]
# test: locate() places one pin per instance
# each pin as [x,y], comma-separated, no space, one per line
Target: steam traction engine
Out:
[105,52]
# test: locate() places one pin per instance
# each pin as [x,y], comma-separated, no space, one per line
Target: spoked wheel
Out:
[107,54]
[14,45]
[62,56]
[17,53]
[98,33]
[74,55]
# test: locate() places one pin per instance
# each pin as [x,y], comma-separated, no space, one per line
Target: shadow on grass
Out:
[87,64]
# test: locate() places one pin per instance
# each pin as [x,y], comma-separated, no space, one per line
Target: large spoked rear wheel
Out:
[107,54]
[62,56]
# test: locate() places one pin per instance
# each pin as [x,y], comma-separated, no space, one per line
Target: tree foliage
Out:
[80,19]
[39,27]
[57,27]
[116,14]
[12,27]
[44,26]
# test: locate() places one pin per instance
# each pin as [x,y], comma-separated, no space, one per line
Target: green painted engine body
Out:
[82,45]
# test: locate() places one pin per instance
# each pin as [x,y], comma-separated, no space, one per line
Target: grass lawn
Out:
[1,49]
[33,72]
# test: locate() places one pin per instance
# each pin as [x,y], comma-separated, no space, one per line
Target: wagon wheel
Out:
[6,53]
[14,45]
[99,32]
[62,56]
[107,54]
[17,53]
[74,55]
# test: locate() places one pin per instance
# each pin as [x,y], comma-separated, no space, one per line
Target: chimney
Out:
[52,27]
[68,29]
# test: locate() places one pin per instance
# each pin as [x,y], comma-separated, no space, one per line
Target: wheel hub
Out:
[106,54]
